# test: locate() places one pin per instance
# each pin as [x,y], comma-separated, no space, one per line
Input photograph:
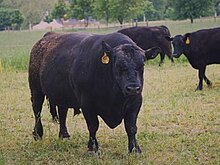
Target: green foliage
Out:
[150,12]
[32,10]
[122,10]
[60,10]
[81,8]
[101,9]
[10,18]
[184,9]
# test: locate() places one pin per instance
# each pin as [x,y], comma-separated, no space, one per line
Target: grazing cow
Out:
[147,37]
[201,48]
[100,74]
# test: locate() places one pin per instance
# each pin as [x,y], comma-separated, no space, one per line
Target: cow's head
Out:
[127,61]
[180,44]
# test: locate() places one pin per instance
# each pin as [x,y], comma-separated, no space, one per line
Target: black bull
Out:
[201,48]
[147,37]
[100,74]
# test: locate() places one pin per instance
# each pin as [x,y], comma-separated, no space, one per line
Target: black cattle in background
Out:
[147,37]
[201,48]
[100,74]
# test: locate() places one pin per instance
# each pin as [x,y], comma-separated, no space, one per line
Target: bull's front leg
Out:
[93,125]
[131,129]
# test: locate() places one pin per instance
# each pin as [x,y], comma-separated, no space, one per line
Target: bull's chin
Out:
[127,94]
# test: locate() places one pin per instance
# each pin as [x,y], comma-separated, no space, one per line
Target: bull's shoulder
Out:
[113,39]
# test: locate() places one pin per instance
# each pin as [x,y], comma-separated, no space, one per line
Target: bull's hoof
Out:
[199,88]
[136,150]
[36,136]
[64,135]
[209,84]
[93,152]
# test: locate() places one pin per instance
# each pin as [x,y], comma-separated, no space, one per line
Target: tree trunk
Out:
[120,19]
[191,19]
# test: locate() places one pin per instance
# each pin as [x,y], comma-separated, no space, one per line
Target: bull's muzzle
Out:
[133,89]
[176,55]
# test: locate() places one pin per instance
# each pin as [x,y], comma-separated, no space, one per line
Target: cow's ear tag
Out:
[187,41]
[105,58]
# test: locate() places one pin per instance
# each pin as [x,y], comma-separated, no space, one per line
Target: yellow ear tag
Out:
[105,58]
[187,41]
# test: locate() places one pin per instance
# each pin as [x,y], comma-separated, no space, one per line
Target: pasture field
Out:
[176,125]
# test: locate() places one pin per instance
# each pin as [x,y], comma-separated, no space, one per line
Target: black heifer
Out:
[201,48]
[101,74]
[147,37]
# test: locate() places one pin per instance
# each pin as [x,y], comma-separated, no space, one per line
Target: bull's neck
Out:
[189,55]
[186,52]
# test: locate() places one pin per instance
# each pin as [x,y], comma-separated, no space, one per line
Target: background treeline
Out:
[103,10]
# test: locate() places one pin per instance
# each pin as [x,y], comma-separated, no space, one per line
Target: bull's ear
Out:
[107,50]
[186,38]
[168,38]
[106,47]
[152,53]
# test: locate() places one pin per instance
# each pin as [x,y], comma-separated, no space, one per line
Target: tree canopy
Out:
[192,9]
[110,10]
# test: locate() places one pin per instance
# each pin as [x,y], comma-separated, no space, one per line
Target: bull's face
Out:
[179,44]
[128,67]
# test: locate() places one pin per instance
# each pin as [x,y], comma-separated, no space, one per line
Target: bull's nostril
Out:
[132,89]
[138,88]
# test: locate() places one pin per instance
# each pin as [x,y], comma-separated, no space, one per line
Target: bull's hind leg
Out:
[162,56]
[62,111]
[37,99]
[53,112]
[201,77]
[208,82]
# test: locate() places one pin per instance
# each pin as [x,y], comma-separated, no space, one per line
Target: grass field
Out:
[176,125]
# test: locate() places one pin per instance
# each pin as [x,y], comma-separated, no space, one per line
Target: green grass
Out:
[176,125]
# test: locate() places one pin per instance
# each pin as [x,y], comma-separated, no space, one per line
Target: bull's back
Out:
[204,45]
[147,37]
[50,64]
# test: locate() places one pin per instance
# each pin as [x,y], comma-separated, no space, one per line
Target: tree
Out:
[101,9]
[10,18]
[192,9]
[60,10]
[217,6]
[137,8]
[33,11]
[81,9]
[125,9]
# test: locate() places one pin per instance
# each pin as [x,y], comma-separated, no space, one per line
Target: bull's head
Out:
[180,44]
[128,65]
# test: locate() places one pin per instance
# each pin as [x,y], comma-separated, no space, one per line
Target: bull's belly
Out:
[59,91]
